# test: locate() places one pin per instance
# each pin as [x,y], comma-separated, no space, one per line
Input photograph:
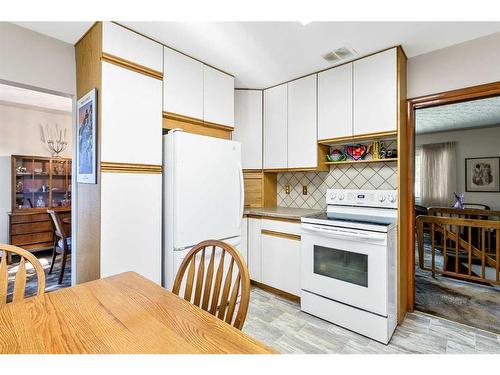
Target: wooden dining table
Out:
[121,314]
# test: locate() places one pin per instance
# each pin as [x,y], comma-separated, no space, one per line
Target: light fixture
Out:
[53,138]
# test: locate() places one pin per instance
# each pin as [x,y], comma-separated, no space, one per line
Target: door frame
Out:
[426,101]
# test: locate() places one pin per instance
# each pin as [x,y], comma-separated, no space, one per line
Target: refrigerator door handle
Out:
[242,194]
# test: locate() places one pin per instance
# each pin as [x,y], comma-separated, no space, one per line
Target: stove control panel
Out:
[366,198]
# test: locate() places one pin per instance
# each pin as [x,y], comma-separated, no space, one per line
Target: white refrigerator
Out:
[203,195]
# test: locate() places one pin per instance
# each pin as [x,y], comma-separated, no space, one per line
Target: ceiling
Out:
[262,54]
[466,115]
[17,96]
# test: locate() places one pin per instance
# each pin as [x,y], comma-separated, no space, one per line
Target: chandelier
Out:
[53,138]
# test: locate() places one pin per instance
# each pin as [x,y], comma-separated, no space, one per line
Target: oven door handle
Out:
[344,233]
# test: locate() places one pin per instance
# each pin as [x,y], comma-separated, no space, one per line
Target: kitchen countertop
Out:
[281,212]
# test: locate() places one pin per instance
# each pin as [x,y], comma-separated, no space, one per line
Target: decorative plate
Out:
[356,152]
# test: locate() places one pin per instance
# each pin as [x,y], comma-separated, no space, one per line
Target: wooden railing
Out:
[463,242]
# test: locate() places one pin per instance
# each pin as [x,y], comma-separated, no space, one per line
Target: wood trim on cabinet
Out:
[448,97]
[359,137]
[88,53]
[404,215]
[278,292]
[288,236]
[111,167]
[130,65]
[195,126]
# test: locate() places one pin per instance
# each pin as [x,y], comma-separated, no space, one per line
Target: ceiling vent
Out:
[342,53]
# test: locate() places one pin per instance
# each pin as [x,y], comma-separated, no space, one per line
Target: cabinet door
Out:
[281,263]
[302,134]
[275,127]
[131,117]
[243,246]
[218,97]
[335,102]
[121,42]
[131,224]
[254,249]
[248,127]
[375,93]
[182,84]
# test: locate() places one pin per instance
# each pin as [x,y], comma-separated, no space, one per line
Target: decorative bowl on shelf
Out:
[336,155]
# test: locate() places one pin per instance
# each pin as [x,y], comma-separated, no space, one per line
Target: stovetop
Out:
[362,221]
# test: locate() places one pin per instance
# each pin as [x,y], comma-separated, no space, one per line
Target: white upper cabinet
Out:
[248,127]
[182,84]
[375,93]
[218,97]
[275,127]
[302,134]
[131,116]
[121,42]
[335,102]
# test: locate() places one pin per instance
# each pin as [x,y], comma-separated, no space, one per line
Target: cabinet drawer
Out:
[286,226]
[26,228]
[32,238]
[15,219]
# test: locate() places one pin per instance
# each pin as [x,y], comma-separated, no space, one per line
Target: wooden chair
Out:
[62,243]
[212,287]
[20,279]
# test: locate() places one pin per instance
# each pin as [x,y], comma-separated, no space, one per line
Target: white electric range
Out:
[348,265]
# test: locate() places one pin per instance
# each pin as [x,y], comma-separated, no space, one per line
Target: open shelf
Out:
[387,160]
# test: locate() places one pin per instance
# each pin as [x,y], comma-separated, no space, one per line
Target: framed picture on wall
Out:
[482,174]
[86,151]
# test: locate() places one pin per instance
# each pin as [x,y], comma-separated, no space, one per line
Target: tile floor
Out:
[280,324]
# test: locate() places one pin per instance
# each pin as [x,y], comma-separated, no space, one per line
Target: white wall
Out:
[471,63]
[36,60]
[20,135]
[470,143]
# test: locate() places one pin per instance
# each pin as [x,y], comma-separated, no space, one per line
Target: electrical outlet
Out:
[304,189]
[287,189]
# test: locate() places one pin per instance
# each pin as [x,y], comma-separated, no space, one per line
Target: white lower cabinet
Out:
[254,249]
[281,263]
[274,254]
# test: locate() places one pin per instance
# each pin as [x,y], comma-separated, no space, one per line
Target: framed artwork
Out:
[86,152]
[482,174]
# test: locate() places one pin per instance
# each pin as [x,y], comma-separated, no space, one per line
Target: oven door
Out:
[346,265]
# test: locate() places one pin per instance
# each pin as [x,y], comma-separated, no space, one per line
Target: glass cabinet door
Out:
[59,183]
[41,183]
[24,184]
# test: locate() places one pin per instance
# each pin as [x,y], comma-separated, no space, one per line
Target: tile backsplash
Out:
[376,176]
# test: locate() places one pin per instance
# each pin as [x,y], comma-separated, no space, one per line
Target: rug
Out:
[461,301]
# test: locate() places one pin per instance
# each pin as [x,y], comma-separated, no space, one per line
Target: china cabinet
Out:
[38,184]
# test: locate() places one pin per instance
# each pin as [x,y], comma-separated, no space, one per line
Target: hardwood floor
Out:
[280,324]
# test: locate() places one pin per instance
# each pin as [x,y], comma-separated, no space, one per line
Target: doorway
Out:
[36,147]
[453,262]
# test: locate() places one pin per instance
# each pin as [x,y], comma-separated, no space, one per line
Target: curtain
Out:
[438,174]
